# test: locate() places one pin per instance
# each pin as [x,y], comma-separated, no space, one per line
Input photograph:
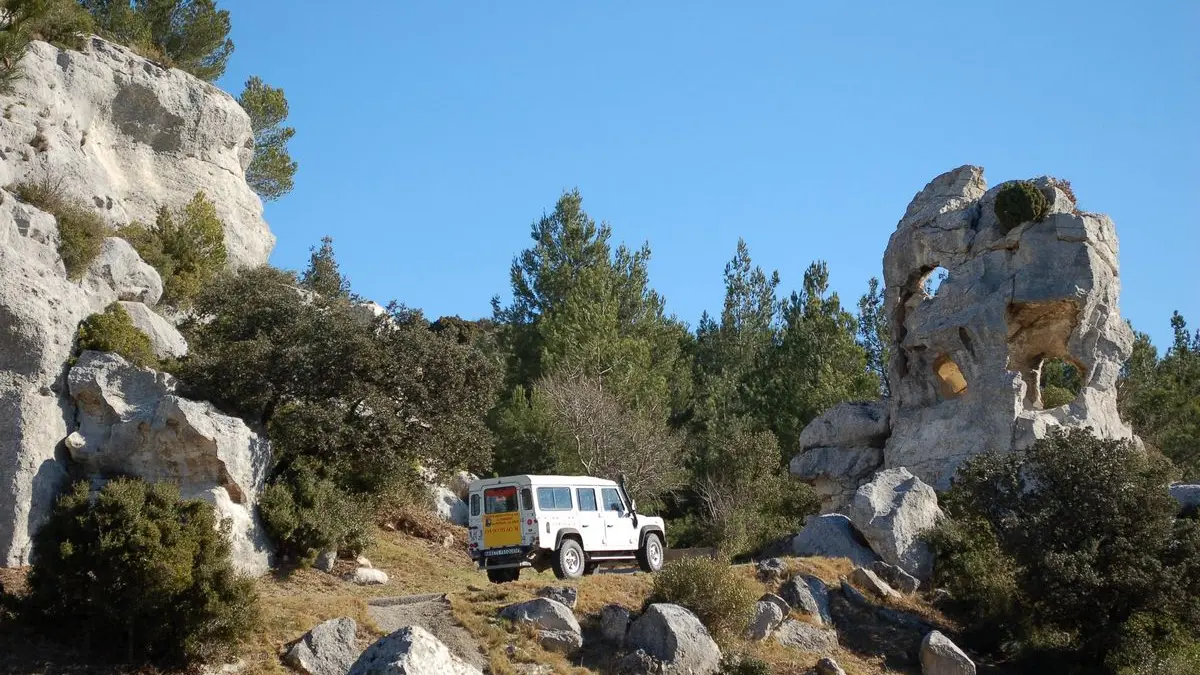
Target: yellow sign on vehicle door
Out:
[501,518]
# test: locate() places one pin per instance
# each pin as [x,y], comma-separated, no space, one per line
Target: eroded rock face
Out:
[965,361]
[132,423]
[165,339]
[128,136]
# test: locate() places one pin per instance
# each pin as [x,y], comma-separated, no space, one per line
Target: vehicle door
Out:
[501,518]
[591,522]
[620,534]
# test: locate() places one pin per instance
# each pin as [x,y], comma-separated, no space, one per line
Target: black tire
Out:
[504,575]
[569,560]
[591,568]
[650,555]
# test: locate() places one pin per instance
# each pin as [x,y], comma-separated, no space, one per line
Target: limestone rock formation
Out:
[892,512]
[328,649]
[132,423]
[557,628]
[128,136]
[165,339]
[806,637]
[119,267]
[966,360]
[675,637]
[832,536]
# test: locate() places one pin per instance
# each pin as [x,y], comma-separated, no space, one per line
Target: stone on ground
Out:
[832,536]
[809,595]
[896,577]
[827,666]
[325,561]
[767,615]
[940,656]
[675,637]
[567,595]
[614,623]
[328,649]
[874,585]
[771,569]
[805,636]
[368,576]
[557,627]
[410,651]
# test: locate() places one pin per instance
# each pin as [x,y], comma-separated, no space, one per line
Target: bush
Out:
[743,664]
[722,599]
[307,514]
[138,575]
[1020,202]
[1067,548]
[113,331]
[81,231]
[187,248]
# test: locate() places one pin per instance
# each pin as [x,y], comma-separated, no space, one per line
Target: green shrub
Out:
[721,598]
[1020,202]
[743,664]
[1073,544]
[113,331]
[271,171]
[187,248]
[81,231]
[306,514]
[138,575]
[188,34]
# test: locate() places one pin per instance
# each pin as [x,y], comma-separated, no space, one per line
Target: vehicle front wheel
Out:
[504,575]
[569,562]
[650,555]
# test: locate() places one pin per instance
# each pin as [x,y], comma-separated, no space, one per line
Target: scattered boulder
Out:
[854,596]
[805,636]
[860,424]
[767,615]
[557,627]
[777,601]
[363,561]
[448,506]
[891,512]
[325,561]
[640,662]
[771,569]
[328,649]
[870,581]
[368,576]
[940,656]
[1188,496]
[411,651]
[460,484]
[832,536]
[614,623]
[567,595]
[675,637]
[119,267]
[827,666]
[895,577]
[165,339]
[809,595]
[903,619]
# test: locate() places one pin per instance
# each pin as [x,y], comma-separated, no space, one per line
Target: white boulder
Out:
[675,637]
[165,339]
[328,649]
[411,651]
[892,512]
[119,267]
[940,656]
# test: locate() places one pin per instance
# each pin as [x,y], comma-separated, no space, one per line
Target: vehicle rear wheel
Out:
[504,575]
[569,561]
[650,555]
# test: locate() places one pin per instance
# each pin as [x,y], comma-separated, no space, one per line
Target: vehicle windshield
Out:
[500,499]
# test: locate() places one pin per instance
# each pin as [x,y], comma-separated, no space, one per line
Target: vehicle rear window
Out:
[475,504]
[612,500]
[554,499]
[587,499]
[500,499]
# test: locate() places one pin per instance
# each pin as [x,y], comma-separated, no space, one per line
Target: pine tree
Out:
[874,333]
[192,35]
[272,171]
[323,275]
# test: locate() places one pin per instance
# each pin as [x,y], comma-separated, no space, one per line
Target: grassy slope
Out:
[293,604]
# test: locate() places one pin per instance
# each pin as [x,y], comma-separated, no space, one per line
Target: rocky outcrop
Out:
[892,512]
[965,360]
[165,339]
[328,649]
[940,656]
[557,628]
[128,136]
[832,536]
[675,638]
[767,615]
[567,595]
[807,637]
[808,595]
[120,268]
[614,623]
[131,422]
[874,585]
[411,651]
[896,577]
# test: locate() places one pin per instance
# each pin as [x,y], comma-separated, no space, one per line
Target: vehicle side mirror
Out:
[633,505]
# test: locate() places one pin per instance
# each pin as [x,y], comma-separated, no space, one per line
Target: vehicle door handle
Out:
[608,525]
[584,525]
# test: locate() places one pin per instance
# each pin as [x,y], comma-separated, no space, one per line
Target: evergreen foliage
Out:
[113,331]
[1020,202]
[323,275]
[272,171]
[721,598]
[138,575]
[186,247]
[60,22]
[192,35]
[1160,397]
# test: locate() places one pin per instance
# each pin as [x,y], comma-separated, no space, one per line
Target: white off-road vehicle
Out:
[571,524]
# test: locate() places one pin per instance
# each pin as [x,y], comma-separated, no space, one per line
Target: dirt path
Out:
[431,612]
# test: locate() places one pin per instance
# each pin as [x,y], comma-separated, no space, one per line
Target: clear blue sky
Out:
[431,134]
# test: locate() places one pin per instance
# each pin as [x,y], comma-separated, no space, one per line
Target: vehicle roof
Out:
[536,480]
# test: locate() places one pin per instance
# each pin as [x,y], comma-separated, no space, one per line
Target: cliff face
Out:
[127,137]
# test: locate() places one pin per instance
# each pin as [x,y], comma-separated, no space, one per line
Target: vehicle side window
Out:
[526,499]
[475,504]
[587,499]
[554,499]
[612,500]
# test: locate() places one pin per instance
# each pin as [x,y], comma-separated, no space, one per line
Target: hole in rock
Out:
[1059,383]
[933,281]
[951,383]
